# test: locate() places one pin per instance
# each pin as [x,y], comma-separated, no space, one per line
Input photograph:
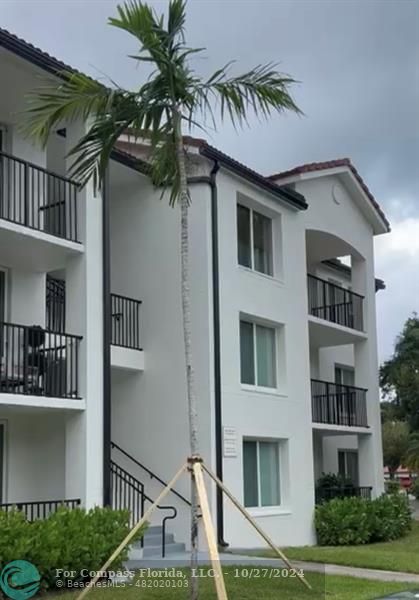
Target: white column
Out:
[366,376]
[84,316]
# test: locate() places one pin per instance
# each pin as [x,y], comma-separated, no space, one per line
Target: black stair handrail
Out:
[149,472]
[137,487]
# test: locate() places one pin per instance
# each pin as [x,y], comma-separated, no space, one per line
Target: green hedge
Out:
[71,540]
[353,521]
[414,488]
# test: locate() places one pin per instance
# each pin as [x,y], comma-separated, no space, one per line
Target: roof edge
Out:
[285,193]
[335,263]
[343,163]
[34,55]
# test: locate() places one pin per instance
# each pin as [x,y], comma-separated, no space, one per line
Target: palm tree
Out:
[172,96]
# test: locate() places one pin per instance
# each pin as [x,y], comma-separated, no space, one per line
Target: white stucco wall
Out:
[284,414]
[149,410]
[34,456]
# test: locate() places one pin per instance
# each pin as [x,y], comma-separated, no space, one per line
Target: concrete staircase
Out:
[153,545]
[129,493]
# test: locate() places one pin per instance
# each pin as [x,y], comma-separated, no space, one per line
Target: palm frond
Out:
[261,90]
[77,98]
[171,89]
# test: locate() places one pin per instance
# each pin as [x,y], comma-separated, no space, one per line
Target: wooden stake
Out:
[255,525]
[132,533]
[209,531]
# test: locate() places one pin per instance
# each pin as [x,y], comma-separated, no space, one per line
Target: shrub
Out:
[354,521]
[392,517]
[414,488]
[342,522]
[392,486]
[72,540]
[332,480]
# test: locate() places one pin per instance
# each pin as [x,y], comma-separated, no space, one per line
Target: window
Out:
[344,376]
[254,240]
[55,304]
[348,465]
[257,355]
[261,476]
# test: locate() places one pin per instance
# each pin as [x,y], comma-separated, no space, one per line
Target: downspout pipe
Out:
[217,352]
[106,292]
[212,182]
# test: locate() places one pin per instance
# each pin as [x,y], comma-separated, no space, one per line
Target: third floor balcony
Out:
[37,198]
[333,303]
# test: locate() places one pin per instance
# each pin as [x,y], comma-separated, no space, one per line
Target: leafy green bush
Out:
[342,522]
[392,517]
[414,488]
[392,486]
[75,540]
[332,480]
[354,521]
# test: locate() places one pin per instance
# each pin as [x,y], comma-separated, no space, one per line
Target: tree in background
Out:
[412,454]
[396,439]
[399,376]
[172,96]
[391,412]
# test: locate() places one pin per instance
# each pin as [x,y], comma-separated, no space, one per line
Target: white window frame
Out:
[256,386]
[252,250]
[345,452]
[279,444]
[341,368]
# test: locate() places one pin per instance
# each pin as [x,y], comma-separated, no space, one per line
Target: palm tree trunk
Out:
[186,313]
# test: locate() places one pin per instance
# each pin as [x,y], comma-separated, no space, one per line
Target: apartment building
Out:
[92,383]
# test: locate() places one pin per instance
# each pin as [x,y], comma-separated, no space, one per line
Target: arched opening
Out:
[335,279]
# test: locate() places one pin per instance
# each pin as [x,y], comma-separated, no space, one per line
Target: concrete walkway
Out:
[182,559]
[376,574]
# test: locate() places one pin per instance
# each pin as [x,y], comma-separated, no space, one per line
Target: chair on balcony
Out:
[23,363]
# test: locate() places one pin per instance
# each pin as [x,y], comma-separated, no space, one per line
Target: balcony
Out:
[32,511]
[37,362]
[336,404]
[36,198]
[335,304]
[126,352]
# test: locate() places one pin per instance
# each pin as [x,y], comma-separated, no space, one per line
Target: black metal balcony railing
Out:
[337,404]
[324,494]
[334,303]
[125,322]
[38,362]
[37,198]
[39,510]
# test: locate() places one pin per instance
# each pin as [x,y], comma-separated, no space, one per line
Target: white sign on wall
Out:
[229,442]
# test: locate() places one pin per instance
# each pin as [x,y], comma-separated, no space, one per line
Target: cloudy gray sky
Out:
[358,66]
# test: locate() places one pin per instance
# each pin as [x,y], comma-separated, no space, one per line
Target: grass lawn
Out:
[337,588]
[400,555]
